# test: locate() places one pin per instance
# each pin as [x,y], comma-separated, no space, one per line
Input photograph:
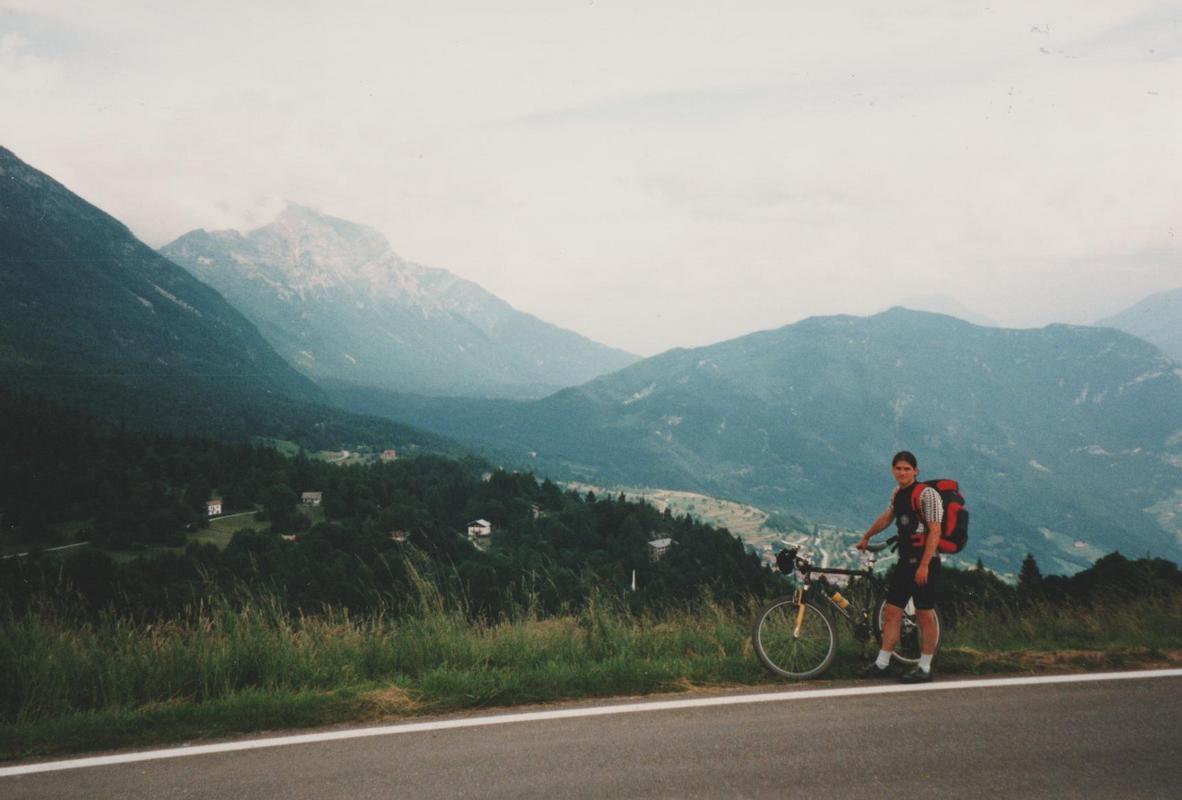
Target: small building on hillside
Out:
[399,536]
[213,507]
[289,537]
[311,498]
[479,527]
[658,548]
[390,455]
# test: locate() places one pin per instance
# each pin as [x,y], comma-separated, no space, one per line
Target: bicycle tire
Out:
[908,650]
[784,651]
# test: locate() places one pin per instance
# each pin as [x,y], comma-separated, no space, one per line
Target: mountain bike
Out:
[795,636]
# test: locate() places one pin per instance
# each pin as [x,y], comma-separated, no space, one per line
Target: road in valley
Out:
[972,739]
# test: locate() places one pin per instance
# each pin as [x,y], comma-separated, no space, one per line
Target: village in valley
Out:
[763,533]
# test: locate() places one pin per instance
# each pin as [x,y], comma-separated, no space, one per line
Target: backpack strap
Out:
[915,504]
[917,507]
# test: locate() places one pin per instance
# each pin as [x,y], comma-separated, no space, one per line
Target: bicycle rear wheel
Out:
[794,640]
[909,648]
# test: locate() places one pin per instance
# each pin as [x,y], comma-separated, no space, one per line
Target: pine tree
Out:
[1029,579]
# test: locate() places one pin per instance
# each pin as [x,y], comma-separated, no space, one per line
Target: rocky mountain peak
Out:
[313,249]
[339,302]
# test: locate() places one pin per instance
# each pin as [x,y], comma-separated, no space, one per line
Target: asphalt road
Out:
[1118,739]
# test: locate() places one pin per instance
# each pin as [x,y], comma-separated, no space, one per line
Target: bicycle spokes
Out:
[794,639]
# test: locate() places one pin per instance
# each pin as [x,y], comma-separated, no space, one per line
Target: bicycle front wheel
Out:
[794,640]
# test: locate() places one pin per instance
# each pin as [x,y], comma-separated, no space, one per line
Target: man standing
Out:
[918,571]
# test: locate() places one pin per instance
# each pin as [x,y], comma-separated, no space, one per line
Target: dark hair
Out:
[905,455]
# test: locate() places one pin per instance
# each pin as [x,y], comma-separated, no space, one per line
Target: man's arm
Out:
[876,527]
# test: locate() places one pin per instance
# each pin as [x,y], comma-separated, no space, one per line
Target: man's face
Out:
[905,473]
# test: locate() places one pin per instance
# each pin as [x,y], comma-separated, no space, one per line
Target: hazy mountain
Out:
[1067,440]
[1156,319]
[92,315]
[946,304]
[93,318]
[339,304]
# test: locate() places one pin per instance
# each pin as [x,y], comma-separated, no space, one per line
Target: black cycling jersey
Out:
[902,586]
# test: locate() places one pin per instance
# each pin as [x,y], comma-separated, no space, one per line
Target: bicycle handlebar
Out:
[789,559]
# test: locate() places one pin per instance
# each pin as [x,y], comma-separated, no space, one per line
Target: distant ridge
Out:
[944,304]
[1156,319]
[335,300]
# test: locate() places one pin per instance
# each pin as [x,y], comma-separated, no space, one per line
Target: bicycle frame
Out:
[866,604]
[856,604]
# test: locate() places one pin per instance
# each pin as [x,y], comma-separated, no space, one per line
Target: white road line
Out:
[597,711]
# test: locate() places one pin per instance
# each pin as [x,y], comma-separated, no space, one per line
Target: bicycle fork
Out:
[799,612]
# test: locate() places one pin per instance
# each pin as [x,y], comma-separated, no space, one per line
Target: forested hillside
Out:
[384,527]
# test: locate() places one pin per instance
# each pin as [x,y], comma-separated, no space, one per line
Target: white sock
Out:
[884,659]
[925,663]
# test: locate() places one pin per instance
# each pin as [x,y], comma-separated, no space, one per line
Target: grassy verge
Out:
[229,671]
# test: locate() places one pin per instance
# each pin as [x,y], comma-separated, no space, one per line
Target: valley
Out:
[764,533]
[1067,429]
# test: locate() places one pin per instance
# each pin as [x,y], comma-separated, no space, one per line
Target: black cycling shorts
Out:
[902,586]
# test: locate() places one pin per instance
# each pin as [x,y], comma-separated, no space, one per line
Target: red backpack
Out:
[956,517]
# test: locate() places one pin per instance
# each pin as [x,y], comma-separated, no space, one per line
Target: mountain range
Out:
[339,304]
[1067,440]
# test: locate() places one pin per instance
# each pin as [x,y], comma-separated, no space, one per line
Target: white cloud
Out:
[650,174]
[23,72]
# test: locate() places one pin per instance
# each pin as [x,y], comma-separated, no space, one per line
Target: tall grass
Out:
[250,664]
[53,668]
[230,667]
[1153,623]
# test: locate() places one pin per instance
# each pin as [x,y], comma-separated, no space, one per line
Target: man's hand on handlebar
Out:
[866,547]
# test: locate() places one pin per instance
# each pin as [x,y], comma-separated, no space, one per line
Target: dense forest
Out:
[386,528]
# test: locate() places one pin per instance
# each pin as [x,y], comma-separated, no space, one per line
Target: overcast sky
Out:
[649,174]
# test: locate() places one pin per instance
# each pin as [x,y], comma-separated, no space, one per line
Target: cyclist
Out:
[918,572]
